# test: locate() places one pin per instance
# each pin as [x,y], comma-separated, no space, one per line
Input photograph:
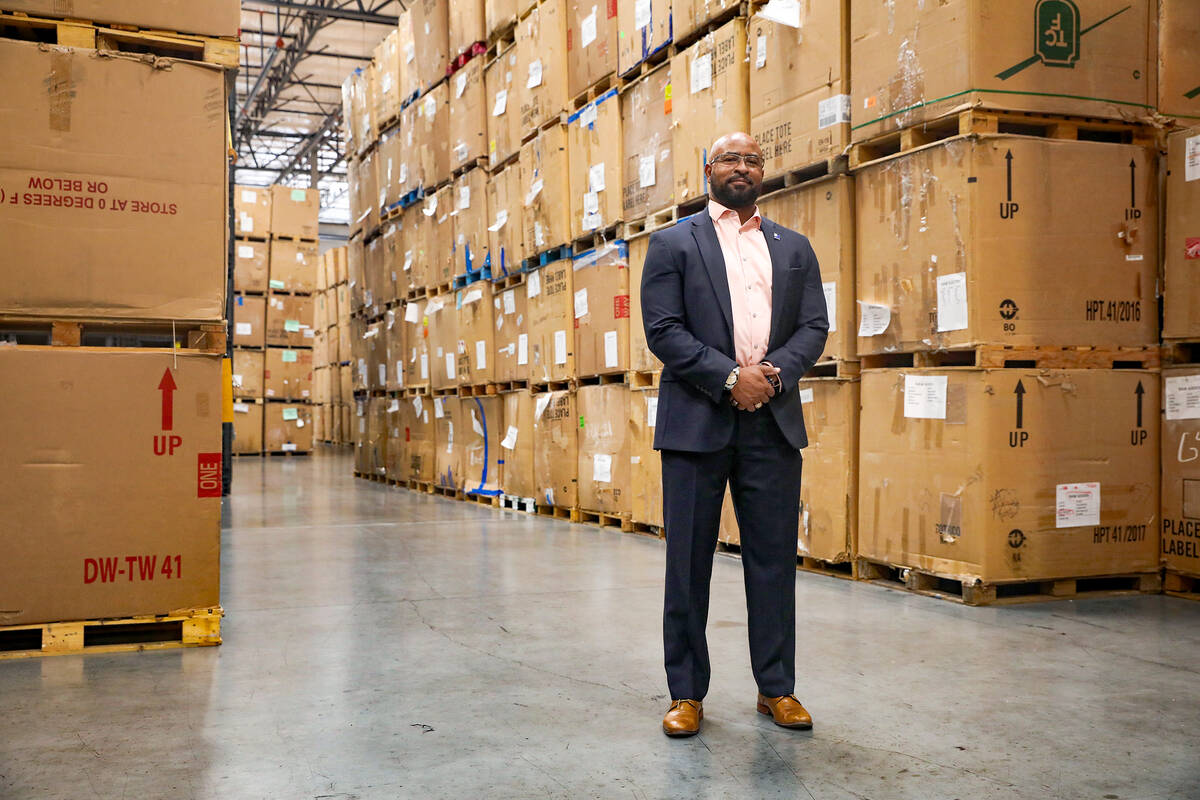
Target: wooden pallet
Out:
[194,336]
[986,356]
[558,512]
[548,256]
[515,503]
[416,293]
[492,500]
[501,38]
[647,65]
[604,519]
[448,491]
[1178,584]
[445,391]
[1181,352]
[194,628]
[472,163]
[509,281]
[552,386]
[836,569]
[643,380]
[835,368]
[593,240]
[602,380]
[982,121]
[655,221]
[425,487]
[221,52]
[557,119]
[409,392]
[684,42]
[837,165]
[478,390]
[645,529]
[974,592]
[500,166]
[690,206]
[595,91]
[512,386]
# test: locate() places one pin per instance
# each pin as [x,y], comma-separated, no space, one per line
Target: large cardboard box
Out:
[395,241]
[294,265]
[417,417]
[498,14]
[249,321]
[1181,470]
[482,430]
[320,349]
[471,221]
[440,208]
[643,28]
[545,180]
[829,485]
[396,466]
[252,211]
[449,440]
[347,414]
[387,78]
[247,426]
[645,465]
[551,298]
[358,355]
[248,368]
[375,357]
[506,235]
[356,259]
[511,310]
[604,468]
[346,382]
[127,454]
[287,427]
[502,107]
[418,258]
[373,277]
[649,184]
[541,73]
[289,320]
[442,313]
[251,265]
[476,334]
[393,334]
[1181,261]
[601,307]
[517,443]
[320,390]
[1179,59]
[468,119]
[217,18]
[416,342]
[377,435]
[712,100]
[640,357]
[467,26]
[288,374]
[294,212]
[431,31]
[800,86]
[824,212]
[917,62]
[432,135]
[406,46]
[591,43]
[691,15]
[1010,475]
[335,265]
[319,423]
[358,436]
[947,260]
[111,215]
[397,160]
[594,159]
[556,449]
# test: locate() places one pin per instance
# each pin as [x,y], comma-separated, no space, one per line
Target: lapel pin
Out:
[777,236]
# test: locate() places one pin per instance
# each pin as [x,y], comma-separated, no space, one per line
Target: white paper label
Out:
[464,197]
[460,84]
[702,75]
[760,56]
[476,426]
[875,319]
[602,468]
[439,410]
[533,285]
[246,223]
[806,395]
[596,177]
[646,171]
[412,312]
[641,14]
[472,296]
[534,79]
[243,329]
[1191,156]
[610,349]
[830,289]
[430,207]
[410,52]
[539,235]
[289,447]
[1076,505]
[952,302]
[925,396]
[581,303]
[510,438]
[785,12]
[540,404]
[587,115]
[510,301]
[522,349]
[480,354]
[383,373]
[249,196]
[394,406]
[237,380]
[450,366]
[587,29]
[241,408]
[449,437]
[424,366]
[501,219]
[651,412]
[833,111]
[418,405]
[1181,397]
[403,179]
[245,251]
[501,103]
[560,347]
[430,107]
[535,188]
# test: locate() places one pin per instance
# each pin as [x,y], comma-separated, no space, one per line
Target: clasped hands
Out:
[755,386]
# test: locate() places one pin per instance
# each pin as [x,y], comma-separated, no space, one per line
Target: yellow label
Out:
[667,99]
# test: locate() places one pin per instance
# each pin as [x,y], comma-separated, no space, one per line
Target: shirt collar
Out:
[716,211]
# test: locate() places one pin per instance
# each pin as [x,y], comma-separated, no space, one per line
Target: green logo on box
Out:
[299,195]
[276,284]
[291,413]
[1057,32]
[289,356]
[291,325]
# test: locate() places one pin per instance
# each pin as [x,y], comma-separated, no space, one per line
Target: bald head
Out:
[738,141]
[735,172]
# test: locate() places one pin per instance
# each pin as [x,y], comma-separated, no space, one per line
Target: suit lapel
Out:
[714,261]
[779,270]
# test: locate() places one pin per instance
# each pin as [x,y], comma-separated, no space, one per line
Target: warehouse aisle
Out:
[383,644]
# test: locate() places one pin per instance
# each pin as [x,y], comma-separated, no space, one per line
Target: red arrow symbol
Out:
[167,386]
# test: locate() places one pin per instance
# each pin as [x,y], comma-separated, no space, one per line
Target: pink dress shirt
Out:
[748,267]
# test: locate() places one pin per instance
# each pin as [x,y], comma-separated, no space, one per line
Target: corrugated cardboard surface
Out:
[1181,469]
[392,166]
[393,332]
[430,25]
[448,441]
[363,179]
[387,87]
[646,130]
[419,438]
[511,310]
[556,448]
[441,311]
[829,485]
[498,13]
[688,15]
[288,427]
[645,465]
[289,320]
[604,468]
[1178,59]
[466,25]
[470,221]
[81,470]
[433,136]
[294,265]
[477,334]
[416,342]
[321,382]
[542,61]
[397,447]
[517,442]
[1071,263]
[249,321]
[483,428]
[396,241]
[601,310]
[634,42]
[214,18]
[374,363]
[468,121]
[1181,261]
[421,244]
[506,204]
[294,212]
[640,357]
[550,291]
[545,180]
[594,157]
[502,107]
[111,169]
[975,495]
[287,374]
[248,373]
[591,43]
[251,265]
[358,354]
[406,45]
[377,435]
[915,62]
[247,427]
[442,264]
[356,266]
[320,423]
[709,98]
[824,212]
[252,211]
[373,269]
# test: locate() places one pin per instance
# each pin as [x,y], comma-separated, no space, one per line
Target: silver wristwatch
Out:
[732,380]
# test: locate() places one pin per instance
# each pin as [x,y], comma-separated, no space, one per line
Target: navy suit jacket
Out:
[688,319]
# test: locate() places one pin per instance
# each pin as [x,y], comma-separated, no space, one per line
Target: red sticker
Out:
[621,306]
[208,475]
[1192,247]
[612,8]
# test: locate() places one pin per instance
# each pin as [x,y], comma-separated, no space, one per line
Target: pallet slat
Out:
[198,628]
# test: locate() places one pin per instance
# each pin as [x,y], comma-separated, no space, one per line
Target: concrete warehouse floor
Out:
[385,644]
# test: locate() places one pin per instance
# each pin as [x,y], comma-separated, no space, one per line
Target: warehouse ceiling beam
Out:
[361,14]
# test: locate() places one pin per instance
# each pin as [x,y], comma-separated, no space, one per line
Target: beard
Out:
[738,196]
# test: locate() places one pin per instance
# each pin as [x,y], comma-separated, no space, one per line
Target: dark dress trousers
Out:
[706,443]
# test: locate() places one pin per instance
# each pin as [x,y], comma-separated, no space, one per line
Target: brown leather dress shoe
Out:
[786,711]
[683,718]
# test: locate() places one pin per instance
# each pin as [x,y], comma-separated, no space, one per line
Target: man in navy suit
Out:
[732,305]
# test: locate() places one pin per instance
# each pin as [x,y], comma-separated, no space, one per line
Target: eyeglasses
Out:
[752,160]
